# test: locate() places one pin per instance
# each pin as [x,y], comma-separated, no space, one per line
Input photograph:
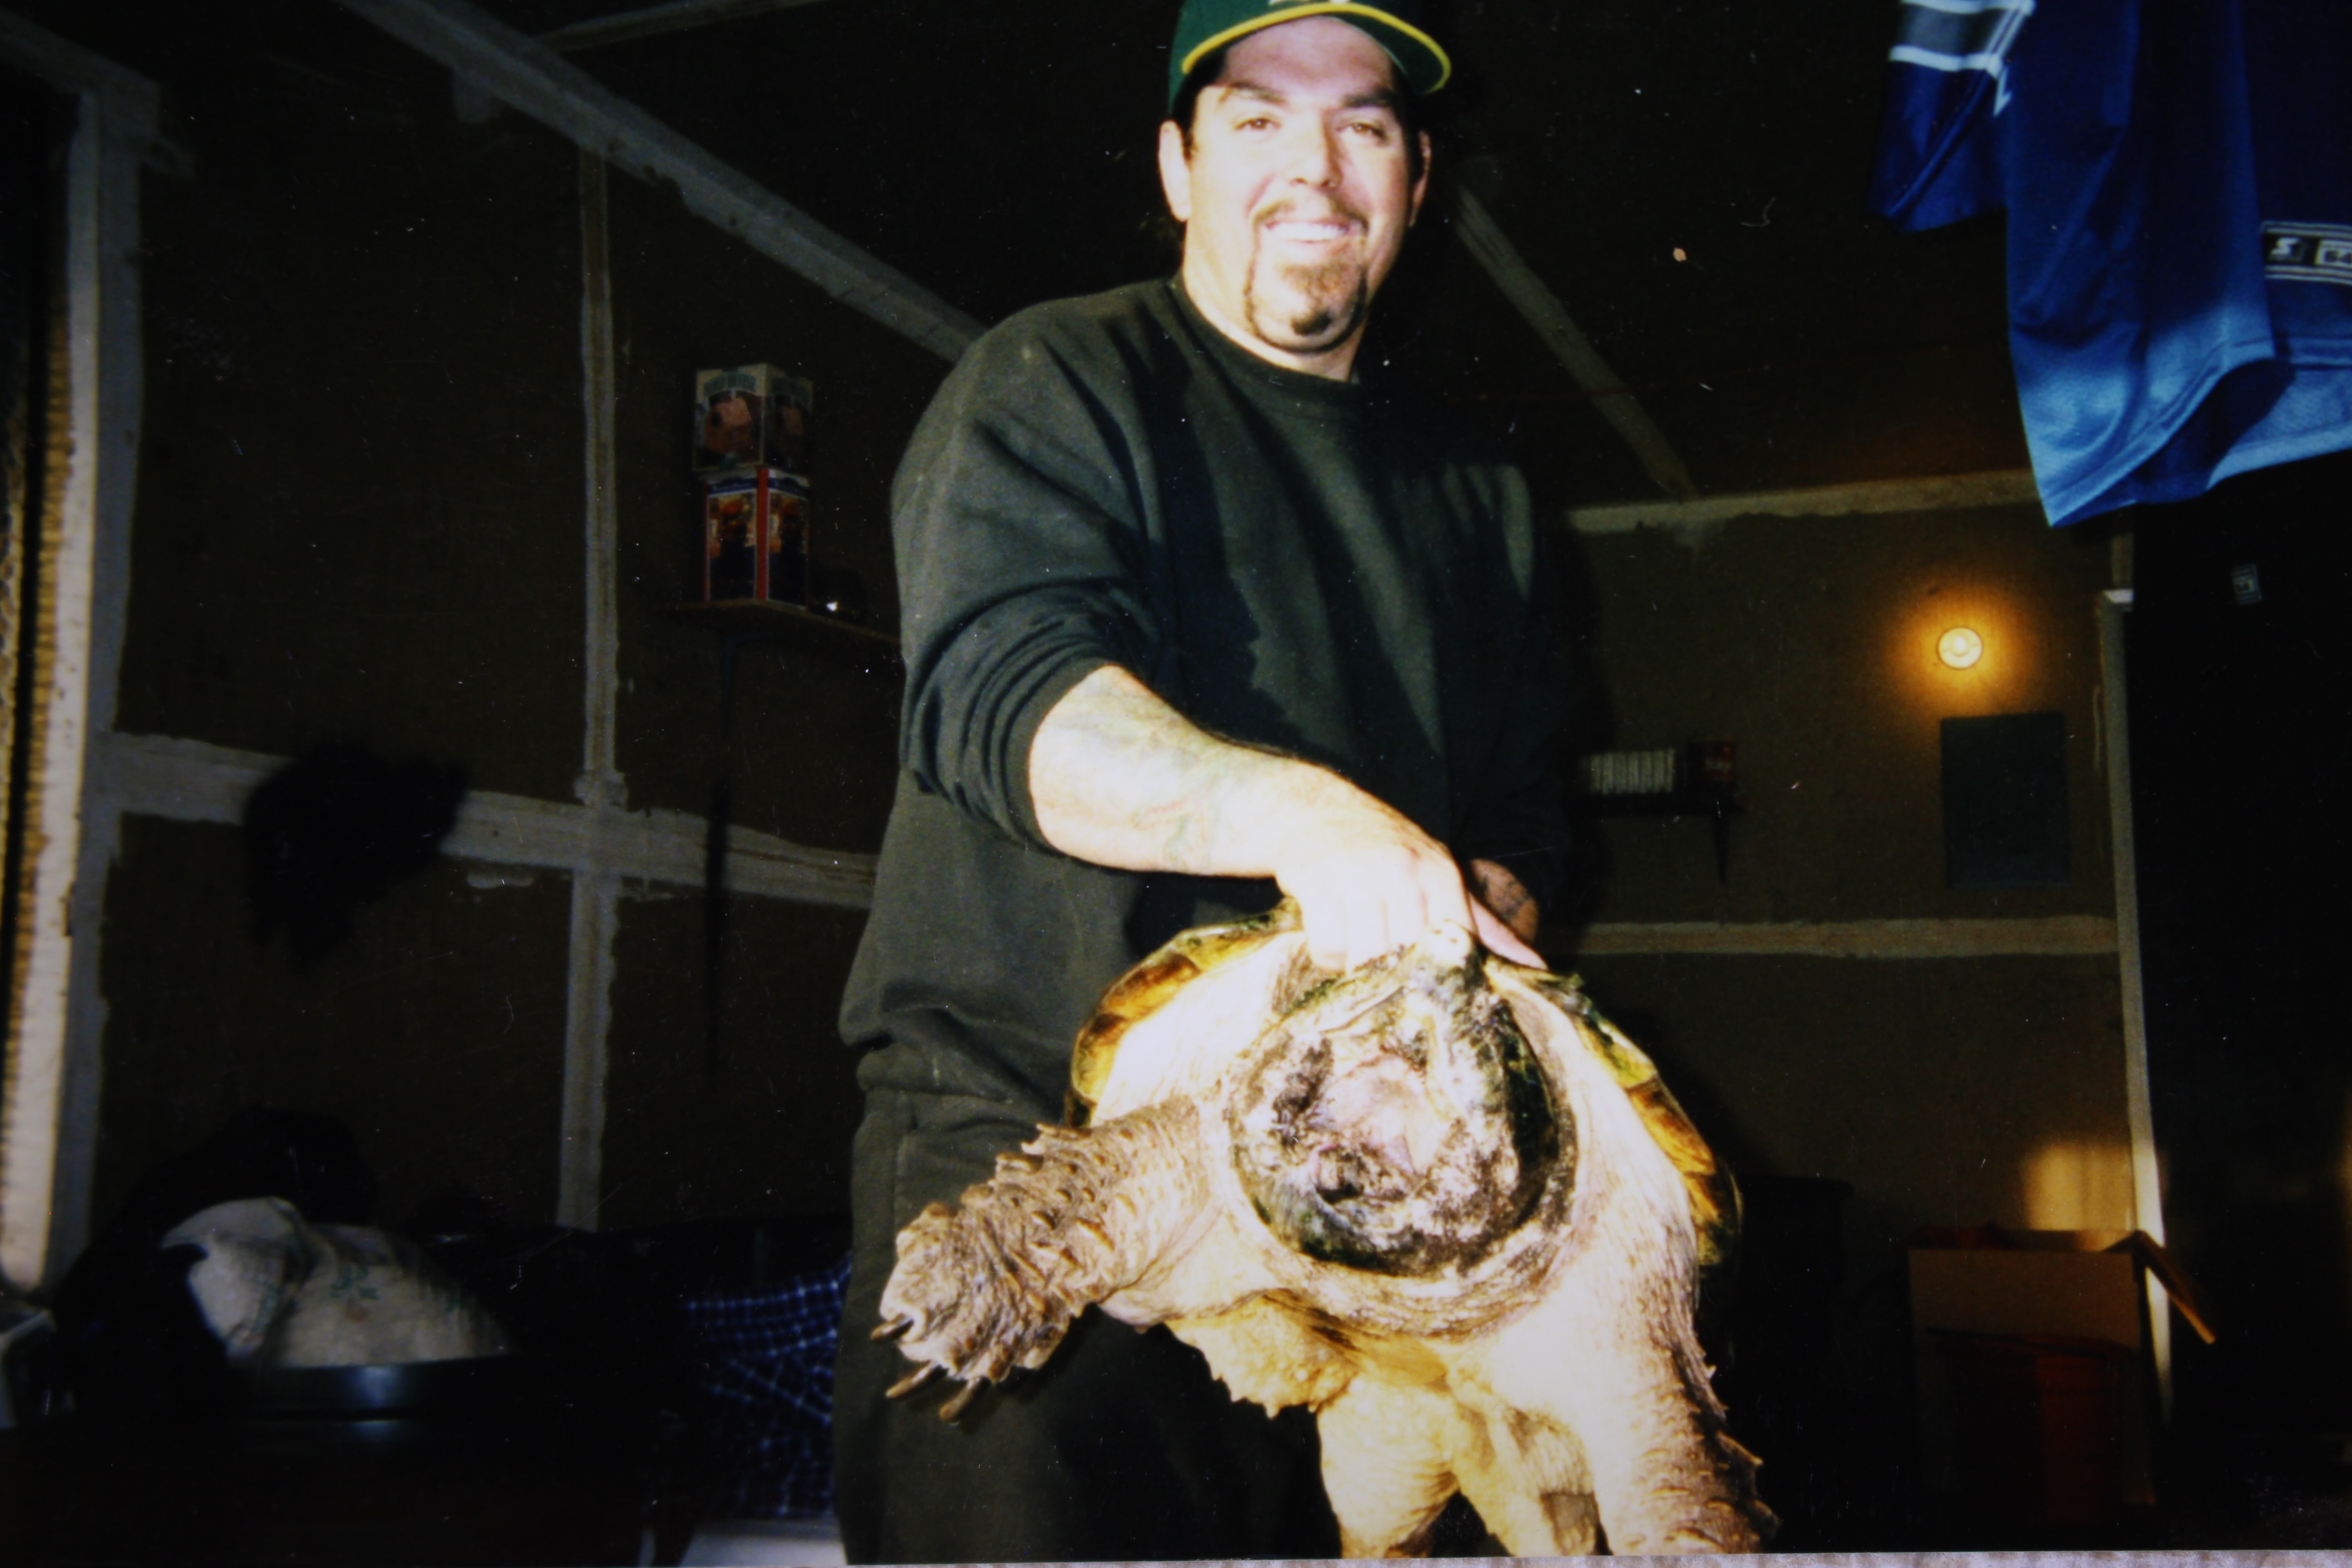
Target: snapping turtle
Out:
[1439,1200]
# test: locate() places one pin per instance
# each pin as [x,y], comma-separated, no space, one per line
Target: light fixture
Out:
[1960,648]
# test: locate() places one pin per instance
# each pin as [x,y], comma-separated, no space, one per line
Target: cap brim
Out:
[1423,60]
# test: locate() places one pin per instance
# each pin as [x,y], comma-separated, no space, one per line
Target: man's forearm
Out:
[1120,778]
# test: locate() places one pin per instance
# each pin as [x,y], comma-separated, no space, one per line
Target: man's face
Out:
[1296,193]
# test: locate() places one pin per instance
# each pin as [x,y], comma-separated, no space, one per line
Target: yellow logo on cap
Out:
[1325,7]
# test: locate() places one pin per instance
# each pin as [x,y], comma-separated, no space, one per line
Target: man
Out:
[1194,617]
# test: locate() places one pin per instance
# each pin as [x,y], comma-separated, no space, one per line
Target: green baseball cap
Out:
[1208,25]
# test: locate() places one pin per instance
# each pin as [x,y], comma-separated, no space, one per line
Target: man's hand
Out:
[1366,877]
[1120,778]
[1508,917]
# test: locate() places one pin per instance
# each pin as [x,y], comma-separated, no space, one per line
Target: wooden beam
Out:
[57,1010]
[66,67]
[587,1048]
[2115,713]
[1534,299]
[2139,1105]
[540,83]
[654,20]
[194,780]
[600,781]
[1953,492]
[596,892]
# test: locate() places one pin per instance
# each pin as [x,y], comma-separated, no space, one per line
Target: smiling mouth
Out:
[1311,231]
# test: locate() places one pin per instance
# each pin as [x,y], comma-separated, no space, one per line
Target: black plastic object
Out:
[477,1385]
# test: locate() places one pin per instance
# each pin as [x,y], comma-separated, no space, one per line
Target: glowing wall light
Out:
[1962,644]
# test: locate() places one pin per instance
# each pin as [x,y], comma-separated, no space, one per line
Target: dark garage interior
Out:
[390,830]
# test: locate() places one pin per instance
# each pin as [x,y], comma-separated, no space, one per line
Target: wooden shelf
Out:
[765,620]
[1676,802]
[1719,804]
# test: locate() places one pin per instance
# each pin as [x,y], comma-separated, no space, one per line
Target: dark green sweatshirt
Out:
[1322,568]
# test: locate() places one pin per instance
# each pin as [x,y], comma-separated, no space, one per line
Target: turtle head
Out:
[1393,1119]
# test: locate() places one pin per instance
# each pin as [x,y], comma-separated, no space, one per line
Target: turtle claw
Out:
[913,1381]
[963,1397]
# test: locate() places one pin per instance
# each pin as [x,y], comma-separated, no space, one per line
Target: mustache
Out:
[1290,207]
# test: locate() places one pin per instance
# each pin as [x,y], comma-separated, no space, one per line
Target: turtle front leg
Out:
[1629,1384]
[1076,1216]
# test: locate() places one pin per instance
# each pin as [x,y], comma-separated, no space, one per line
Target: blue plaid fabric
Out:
[761,1362]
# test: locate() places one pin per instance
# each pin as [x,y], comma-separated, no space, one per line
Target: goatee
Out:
[1334,298]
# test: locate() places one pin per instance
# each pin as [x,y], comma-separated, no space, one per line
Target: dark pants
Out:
[1122,1447]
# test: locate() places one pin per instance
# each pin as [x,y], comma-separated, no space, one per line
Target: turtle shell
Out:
[1145,989]
[1714,1198]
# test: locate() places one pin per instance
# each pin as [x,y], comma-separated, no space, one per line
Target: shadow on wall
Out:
[333,829]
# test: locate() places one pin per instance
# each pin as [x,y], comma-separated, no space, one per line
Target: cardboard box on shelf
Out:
[754,414]
[2041,1308]
[755,536]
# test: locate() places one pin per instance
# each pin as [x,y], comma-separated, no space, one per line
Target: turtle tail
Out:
[1076,1216]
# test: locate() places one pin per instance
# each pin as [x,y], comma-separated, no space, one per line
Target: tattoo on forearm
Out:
[1131,781]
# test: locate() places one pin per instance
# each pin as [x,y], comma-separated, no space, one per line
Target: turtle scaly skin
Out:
[967,1298]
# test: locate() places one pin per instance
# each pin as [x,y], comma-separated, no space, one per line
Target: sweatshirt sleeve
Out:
[1018,526]
[1518,816]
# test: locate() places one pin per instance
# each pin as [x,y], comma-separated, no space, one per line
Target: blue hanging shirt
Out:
[2177,175]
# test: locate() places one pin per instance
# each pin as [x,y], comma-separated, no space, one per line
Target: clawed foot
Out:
[923,1374]
[969,1297]
[1070,1220]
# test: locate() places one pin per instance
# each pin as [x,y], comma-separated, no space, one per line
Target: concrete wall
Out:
[1946,1090]
[359,495]
[436,1033]
[360,517]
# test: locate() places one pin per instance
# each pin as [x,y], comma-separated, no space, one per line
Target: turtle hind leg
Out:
[1388,1465]
[1530,1485]
[1074,1217]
